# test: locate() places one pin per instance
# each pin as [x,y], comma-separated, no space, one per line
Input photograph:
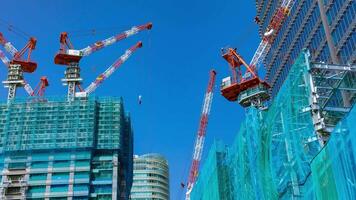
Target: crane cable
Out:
[17,31]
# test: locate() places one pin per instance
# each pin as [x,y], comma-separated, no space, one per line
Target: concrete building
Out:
[325,27]
[54,149]
[150,178]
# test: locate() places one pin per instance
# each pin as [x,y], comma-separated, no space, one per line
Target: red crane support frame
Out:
[239,83]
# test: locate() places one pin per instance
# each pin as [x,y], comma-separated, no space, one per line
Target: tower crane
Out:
[17,65]
[70,57]
[245,86]
[199,143]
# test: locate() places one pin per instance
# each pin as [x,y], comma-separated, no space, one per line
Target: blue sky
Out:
[170,71]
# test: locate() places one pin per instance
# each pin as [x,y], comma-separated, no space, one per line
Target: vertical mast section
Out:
[199,143]
[17,65]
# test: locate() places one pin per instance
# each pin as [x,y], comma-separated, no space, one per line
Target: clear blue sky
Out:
[170,71]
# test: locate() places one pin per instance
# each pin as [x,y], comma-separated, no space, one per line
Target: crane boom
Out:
[271,33]
[28,89]
[70,57]
[4,58]
[109,71]
[199,143]
[7,45]
[67,54]
[111,40]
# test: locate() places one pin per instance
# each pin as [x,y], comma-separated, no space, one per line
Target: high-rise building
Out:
[150,178]
[325,27]
[54,149]
[280,153]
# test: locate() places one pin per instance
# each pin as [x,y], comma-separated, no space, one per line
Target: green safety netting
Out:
[276,154]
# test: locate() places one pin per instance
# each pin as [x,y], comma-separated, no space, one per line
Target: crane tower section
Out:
[17,66]
[71,57]
[246,87]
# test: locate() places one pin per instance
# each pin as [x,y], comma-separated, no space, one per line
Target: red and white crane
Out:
[17,65]
[271,33]
[199,143]
[109,71]
[245,86]
[70,57]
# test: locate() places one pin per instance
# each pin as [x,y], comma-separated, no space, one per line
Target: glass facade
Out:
[54,149]
[303,28]
[150,178]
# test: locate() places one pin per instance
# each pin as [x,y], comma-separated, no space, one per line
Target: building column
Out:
[49,177]
[115,162]
[71,177]
[332,49]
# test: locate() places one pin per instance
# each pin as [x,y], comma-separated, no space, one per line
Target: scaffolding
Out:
[295,149]
[54,148]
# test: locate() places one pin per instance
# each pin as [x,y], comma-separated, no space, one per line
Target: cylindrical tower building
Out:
[151,177]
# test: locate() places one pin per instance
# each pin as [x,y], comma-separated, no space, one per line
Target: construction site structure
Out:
[282,153]
[68,150]
[199,143]
[70,57]
[246,87]
[17,65]
[53,148]
[326,28]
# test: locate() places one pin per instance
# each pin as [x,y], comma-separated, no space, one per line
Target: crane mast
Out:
[199,143]
[17,65]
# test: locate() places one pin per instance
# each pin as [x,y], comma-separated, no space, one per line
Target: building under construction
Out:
[73,147]
[297,139]
[325,27]
[282,149]
[72,150]
[279,153]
